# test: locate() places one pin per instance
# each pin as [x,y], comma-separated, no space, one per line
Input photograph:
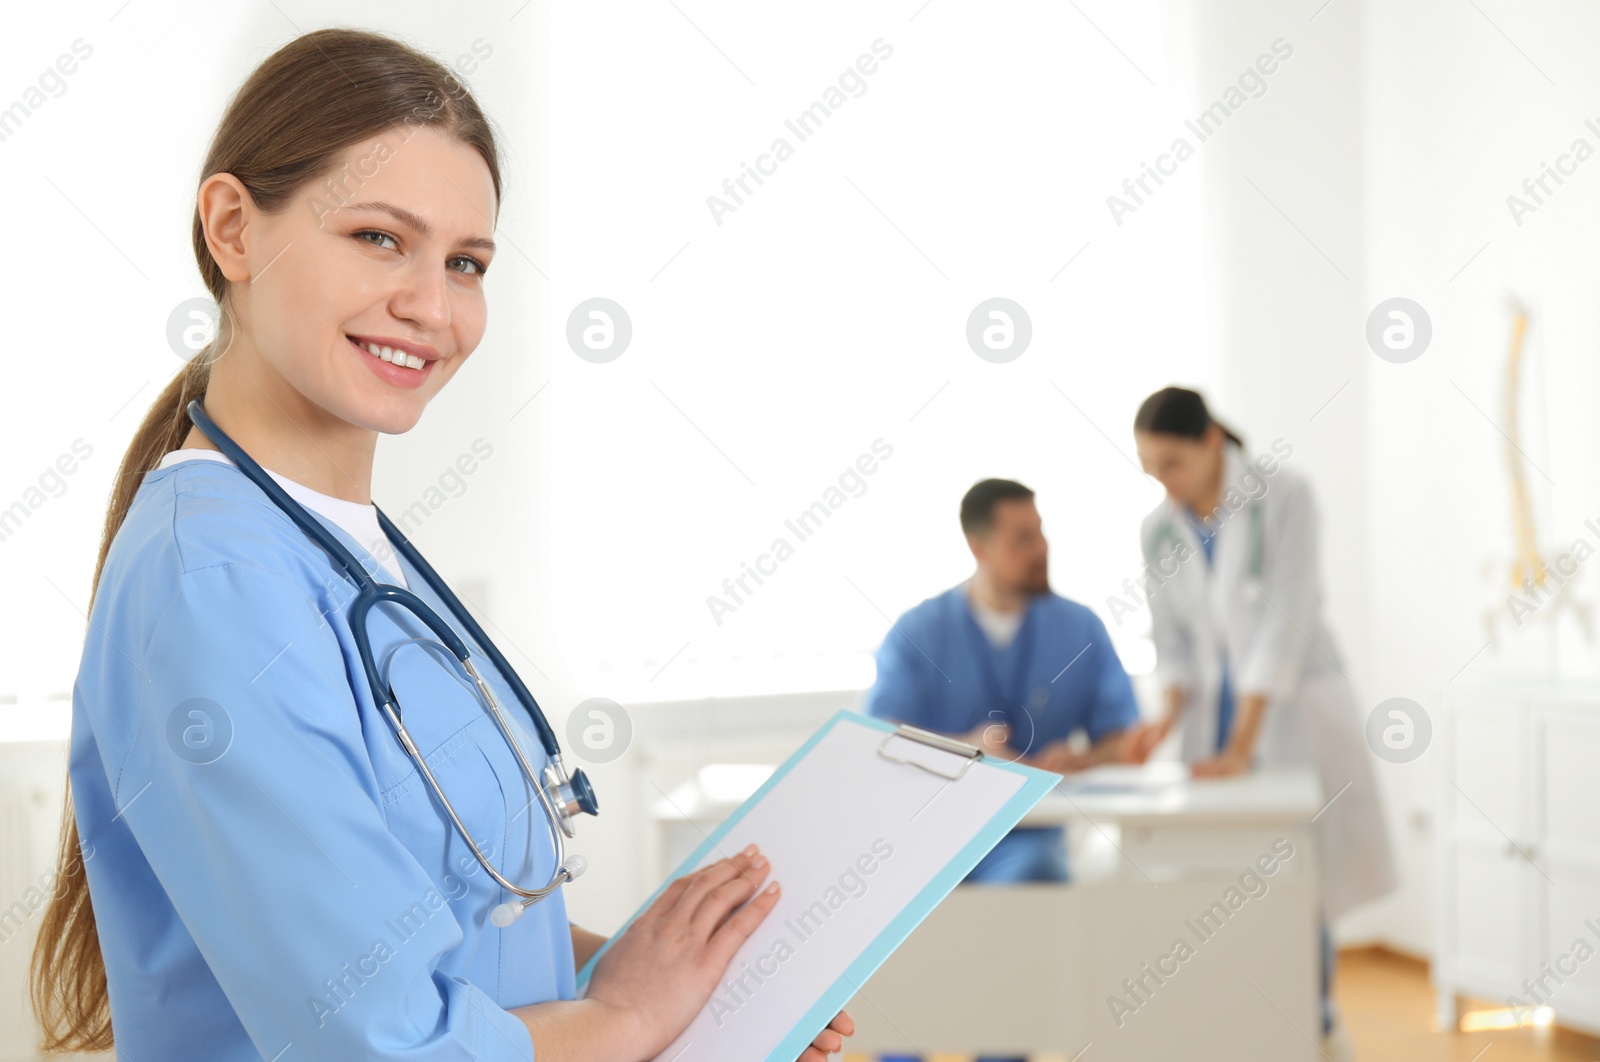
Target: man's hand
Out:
[992,738]
[1060,758]
[1143,739]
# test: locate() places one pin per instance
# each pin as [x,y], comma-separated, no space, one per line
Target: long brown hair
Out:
[289,124]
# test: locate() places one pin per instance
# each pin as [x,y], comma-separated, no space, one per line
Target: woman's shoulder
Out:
[1260,474]
[1151,526]
[1153,519]
[1286,486]
[197,515]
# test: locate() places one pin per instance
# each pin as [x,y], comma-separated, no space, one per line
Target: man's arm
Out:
[1061,758]
[1113,714]
[899,692]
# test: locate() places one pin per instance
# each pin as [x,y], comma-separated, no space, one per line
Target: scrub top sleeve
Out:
[1272,661]
[250,792]
[899,692]
[1115,707]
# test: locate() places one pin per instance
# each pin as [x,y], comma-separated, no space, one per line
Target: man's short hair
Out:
[977,507]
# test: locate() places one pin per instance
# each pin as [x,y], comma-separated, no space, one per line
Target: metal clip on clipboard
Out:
[934,753]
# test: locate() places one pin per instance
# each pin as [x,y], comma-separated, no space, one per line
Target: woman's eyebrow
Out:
[416,221]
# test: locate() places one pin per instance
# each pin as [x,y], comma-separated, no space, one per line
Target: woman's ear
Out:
[226,210]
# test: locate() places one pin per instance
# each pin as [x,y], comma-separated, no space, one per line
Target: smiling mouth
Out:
[390,355]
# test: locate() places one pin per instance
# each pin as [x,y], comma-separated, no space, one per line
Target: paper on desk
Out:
[1126,778]
[864,848]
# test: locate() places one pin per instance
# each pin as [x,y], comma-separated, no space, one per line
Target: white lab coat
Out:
[1265,618]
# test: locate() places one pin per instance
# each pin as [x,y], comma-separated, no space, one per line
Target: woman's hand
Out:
[661,970]
[1235,759]
[1230,762]
[829,1040]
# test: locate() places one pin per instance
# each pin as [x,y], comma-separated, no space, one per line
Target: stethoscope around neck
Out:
[563,797]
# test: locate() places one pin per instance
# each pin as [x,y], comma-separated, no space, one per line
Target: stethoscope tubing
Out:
[369,593]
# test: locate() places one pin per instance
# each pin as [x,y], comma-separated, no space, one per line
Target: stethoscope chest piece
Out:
[571,796]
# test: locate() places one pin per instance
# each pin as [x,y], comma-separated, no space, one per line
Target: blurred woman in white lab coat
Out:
[1245,660]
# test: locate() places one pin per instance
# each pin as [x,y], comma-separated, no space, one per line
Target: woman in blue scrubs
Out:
[252,868]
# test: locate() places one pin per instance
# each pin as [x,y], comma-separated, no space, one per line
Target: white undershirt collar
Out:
[1001,627]
[357,520]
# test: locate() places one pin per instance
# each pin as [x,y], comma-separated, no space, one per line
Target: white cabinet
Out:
[1517,799]
[33,777]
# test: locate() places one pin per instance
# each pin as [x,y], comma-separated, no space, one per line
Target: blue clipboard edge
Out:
[1036,784]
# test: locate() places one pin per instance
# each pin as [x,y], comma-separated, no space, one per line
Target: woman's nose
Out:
[424,298]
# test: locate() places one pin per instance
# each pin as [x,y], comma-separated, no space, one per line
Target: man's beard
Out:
[1038,583]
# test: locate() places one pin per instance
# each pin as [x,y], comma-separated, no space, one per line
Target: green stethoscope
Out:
[1167,531]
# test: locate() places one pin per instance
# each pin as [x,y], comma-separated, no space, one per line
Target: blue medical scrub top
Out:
[270,874]
[1059,674]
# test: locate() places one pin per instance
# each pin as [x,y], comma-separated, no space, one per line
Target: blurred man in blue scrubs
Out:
[1003,662]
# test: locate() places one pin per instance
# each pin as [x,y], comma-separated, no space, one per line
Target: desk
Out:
[1148,919]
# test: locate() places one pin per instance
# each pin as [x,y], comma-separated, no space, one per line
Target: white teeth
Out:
[395,357]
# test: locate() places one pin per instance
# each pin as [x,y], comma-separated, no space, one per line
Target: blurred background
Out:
[777,332]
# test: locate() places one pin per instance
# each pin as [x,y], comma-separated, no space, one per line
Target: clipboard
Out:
[868,826]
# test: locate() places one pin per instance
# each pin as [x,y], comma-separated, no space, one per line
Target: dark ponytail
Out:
[1179,411]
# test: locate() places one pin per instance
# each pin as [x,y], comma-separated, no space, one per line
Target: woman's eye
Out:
[372,232]
[479,267]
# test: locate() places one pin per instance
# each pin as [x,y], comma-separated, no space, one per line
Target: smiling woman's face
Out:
[390,249]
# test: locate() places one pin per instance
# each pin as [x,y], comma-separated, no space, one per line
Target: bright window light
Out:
[1506,1018]
[821,325]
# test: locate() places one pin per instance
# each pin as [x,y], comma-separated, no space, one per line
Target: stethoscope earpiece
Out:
[508,912]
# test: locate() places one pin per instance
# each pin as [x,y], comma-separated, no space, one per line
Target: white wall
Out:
[1460,111]
[1388,148]
[827,312]
[823,313]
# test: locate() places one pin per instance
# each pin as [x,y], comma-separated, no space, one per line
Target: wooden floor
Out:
[1387,1004]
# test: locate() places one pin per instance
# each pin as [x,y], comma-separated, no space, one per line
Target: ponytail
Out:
[67,976]
[1179,411]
